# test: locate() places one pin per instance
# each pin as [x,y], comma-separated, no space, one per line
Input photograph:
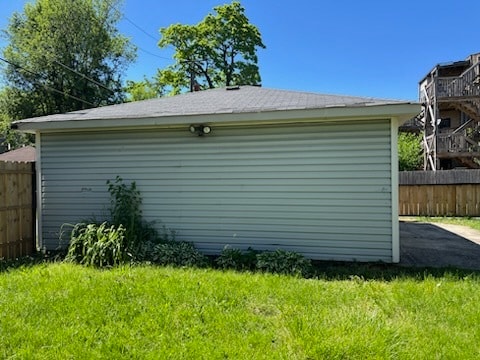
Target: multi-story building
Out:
[450,94]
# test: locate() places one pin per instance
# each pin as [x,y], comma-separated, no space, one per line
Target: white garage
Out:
[306,172]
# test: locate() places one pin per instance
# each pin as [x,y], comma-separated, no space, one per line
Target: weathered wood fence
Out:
[17,209]
[439,193]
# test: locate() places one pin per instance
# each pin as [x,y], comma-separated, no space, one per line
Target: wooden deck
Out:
[463,87]
[457,144]
[443,91]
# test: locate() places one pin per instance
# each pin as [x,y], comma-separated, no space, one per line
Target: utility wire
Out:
[84,76]
[155,38]
[152,54]
[138,27]
[16,66]
[193,61]
[131,22]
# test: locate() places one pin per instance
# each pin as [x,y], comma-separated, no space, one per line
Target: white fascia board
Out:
[402,111]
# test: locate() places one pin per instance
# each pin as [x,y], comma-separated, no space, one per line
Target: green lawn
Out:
[64,311]
[474,223]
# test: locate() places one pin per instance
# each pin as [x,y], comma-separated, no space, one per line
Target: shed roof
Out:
[220,101]
[24,154]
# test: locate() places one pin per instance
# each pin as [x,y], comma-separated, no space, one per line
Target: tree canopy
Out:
[142,90]
[8,137]
[221,50]
[64,55]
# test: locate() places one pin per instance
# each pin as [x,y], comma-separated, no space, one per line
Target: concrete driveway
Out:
[438,245]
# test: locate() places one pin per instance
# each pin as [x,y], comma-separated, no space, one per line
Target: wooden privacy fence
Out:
[439,193]
[16,209]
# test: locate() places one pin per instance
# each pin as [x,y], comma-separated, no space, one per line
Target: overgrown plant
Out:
[278,261]
[178,253]
[284,262]
[146,250]
[125,210]
[98,245]
[124,237]
[237,259]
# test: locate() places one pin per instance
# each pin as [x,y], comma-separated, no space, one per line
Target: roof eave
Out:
[401,111]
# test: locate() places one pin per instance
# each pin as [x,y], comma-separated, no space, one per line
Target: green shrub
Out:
[279,261]
[125,209]
[236,259]
[125,237]
[178,253]
[410,155]
[284,262]
[145,250]
[98,245]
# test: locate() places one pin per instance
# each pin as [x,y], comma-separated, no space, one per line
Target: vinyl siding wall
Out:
[320,189]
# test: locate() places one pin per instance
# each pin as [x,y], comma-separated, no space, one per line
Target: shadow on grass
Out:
[30,261]
[325,270]
[329,270]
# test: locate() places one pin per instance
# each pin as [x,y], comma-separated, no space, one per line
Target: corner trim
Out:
[394,180]
[38,168]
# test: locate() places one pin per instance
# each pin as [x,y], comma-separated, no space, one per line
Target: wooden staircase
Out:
[442,94]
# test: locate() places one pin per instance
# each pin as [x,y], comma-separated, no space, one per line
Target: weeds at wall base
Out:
[322,270]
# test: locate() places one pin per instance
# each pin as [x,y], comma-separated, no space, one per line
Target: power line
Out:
[142,30]
[16,66]
[131,22]
[152,54]
[138,27]
[84,76]
[150,36]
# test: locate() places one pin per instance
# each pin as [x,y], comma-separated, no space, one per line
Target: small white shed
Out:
[299,171]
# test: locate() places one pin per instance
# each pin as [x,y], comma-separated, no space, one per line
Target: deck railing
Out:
[456,143]
[465,85]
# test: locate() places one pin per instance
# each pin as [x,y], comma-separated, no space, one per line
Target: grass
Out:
[473,223]
[59,311]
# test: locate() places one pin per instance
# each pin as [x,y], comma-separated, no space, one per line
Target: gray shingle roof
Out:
[24,154]
[245,99]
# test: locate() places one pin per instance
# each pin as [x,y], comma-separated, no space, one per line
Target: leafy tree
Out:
[221,50]
[64,55]
[409,151]
[142,90]
[10,139]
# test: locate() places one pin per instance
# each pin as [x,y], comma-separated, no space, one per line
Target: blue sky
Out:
[376,48]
